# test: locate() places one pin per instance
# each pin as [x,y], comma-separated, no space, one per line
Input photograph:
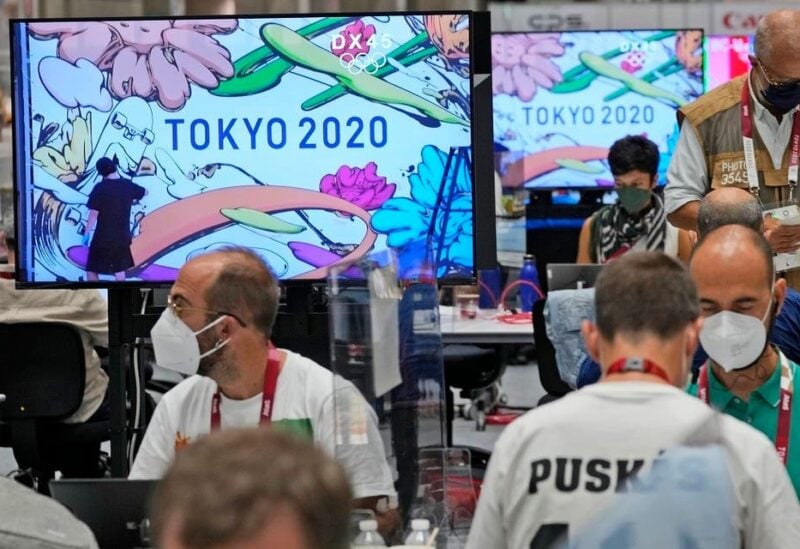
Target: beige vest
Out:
[716,119]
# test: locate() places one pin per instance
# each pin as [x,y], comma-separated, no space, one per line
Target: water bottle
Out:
[528,275]
[368,535]
[419,532]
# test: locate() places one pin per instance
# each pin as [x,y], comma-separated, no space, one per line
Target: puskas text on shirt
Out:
[567,474]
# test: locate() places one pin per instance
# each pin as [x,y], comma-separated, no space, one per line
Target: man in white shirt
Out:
[559,466]
[218,325]
[710,153]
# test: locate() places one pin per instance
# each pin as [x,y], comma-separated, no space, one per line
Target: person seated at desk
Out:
[732,206]
[557,467]
[250,489]
[638,220]
[746,376]
[217,325]
[87,311]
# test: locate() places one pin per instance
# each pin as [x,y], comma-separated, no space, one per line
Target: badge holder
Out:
[785,213]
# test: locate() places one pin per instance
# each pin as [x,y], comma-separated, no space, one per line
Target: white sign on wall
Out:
[715,18]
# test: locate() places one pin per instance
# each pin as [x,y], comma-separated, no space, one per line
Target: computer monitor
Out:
[116,510]
[571,276]
[313,140]
[562,98]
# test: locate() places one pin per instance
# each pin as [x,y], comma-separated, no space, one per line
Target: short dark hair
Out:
[225,486]
[753,237]
[633,152]
[644,293]
[245,286]
[713,214]
[105,166]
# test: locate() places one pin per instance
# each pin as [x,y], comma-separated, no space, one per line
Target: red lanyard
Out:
[784,405]
[267,397]
[749,149]
[641,365]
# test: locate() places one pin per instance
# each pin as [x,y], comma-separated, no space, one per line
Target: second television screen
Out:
[561,99]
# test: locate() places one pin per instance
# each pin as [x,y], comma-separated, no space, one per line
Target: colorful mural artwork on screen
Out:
[312,140]
[561,99]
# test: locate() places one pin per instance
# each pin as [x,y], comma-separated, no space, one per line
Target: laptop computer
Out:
[571,276]
[116,510]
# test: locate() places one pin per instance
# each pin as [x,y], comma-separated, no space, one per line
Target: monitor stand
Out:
[302,322]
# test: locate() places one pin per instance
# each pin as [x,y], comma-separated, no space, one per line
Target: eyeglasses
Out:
[178,310]
[783,85]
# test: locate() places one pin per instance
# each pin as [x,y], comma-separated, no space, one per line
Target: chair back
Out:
[42,371]
[546,362]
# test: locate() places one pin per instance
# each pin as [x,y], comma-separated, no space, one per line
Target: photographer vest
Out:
[716,119]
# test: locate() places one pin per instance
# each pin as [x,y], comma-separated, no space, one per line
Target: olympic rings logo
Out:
[363,62]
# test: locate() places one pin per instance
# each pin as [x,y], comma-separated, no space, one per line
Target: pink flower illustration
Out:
[522,62]
[353,39]
[148,59]
[363,187]
[633,61]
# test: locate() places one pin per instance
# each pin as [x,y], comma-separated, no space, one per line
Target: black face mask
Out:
[782,98]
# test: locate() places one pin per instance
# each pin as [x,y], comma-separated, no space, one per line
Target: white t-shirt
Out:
[607,430]
[304,405]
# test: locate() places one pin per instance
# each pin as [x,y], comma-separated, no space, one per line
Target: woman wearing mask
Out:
[638,220]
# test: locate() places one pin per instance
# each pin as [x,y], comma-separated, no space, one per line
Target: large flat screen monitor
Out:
[561,99]
[313,140]
[726,58]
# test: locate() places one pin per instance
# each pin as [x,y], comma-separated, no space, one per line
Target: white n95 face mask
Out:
[734,340]
[175,344]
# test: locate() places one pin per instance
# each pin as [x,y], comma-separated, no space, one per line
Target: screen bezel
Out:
[16,75]
[595,31]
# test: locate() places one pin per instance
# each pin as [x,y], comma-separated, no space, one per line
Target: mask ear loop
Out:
[215,348]
[220,344]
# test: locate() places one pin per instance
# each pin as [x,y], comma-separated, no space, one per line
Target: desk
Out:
[481,330]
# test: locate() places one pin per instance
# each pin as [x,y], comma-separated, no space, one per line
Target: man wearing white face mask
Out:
[218,326]
[559,467]
[745,376]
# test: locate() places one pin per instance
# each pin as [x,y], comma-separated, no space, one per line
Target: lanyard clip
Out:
[756,192]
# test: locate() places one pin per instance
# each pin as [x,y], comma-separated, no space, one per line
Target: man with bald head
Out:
[758,109]
[731,205]
[216,329]
[745,376]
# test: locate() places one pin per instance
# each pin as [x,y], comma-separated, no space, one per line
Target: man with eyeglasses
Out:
[217,330]
[745,133]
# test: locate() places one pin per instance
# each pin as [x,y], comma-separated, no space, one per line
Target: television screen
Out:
[726,58]
[312,140]
[561,99]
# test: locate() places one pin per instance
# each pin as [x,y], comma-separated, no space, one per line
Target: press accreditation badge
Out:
[785,214]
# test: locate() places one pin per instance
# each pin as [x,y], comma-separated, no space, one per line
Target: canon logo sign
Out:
[744,21]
